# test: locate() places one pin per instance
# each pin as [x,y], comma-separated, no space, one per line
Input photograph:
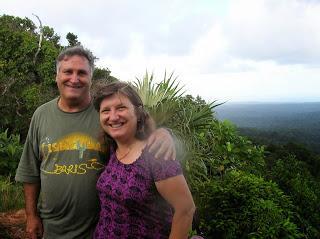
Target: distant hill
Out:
[276,122]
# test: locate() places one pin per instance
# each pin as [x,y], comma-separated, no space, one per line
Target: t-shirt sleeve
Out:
[162,169]
[28,170]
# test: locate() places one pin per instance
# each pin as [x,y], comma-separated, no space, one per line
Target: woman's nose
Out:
[113,115]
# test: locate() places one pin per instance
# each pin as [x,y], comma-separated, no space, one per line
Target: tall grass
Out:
[11,195]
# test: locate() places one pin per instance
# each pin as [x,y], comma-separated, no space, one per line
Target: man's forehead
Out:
[67,58]
[71,61]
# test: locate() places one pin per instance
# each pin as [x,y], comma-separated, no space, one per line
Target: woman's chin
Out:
[117,137]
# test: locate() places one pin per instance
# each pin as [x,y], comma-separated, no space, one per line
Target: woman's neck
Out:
[123,146]
[129,151]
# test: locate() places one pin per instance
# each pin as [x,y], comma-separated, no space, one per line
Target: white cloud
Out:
[281,30]
[227,50]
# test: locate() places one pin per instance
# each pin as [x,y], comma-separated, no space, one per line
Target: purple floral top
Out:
[131,206]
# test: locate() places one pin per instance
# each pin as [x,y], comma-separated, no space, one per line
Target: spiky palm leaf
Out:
[159,98]
[186,116]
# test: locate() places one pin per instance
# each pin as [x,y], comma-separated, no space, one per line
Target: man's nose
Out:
[74,78]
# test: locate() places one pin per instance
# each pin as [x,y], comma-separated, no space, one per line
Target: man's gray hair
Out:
[76,51]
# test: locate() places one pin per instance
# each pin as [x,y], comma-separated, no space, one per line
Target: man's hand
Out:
[161,144]
[34,227]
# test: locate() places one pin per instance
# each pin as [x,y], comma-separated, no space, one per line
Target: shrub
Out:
[10,152]
[242,205]
[294,178]
[11,195]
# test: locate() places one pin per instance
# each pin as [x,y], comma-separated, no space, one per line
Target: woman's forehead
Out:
[116,98]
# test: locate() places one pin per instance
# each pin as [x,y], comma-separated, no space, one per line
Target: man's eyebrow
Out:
[83,71]
[66,69]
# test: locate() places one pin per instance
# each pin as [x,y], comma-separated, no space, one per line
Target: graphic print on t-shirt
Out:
[73,145]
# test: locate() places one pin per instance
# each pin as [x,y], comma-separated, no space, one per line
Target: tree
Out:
[27,70]
[287,165]
[243,205]
[24,84]
[72,39]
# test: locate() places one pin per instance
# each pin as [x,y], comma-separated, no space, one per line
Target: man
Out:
[62,156]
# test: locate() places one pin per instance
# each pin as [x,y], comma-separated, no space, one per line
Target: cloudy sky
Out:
[235,50]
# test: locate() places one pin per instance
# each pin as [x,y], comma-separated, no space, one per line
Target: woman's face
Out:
[118,117]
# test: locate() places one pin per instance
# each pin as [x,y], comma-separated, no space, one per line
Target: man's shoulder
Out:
[44,108]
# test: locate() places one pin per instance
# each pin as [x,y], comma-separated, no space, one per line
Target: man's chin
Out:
[75,99]
[76,96]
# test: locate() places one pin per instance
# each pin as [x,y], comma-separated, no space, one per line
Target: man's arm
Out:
[176,192]
[34,224]
[161,144]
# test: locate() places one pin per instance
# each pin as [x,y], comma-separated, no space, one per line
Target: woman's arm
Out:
[176,192]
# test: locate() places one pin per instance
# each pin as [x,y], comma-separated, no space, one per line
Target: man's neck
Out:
[73,106]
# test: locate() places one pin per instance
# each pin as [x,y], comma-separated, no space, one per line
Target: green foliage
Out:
[192,123]
[11,195]
[72,39]
[235,151]
[159,99]
[10,151]
[218,149]
[99,74]
[227,173]
[194,115]
[294,178]
[301,153]
[25,81]
[49,35]
[102,75]
[211,151]
[242,205]
[277,124]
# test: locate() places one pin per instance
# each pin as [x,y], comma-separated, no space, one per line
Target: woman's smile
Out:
[118,117]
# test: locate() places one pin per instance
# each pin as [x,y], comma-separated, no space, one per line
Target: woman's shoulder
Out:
[161,168]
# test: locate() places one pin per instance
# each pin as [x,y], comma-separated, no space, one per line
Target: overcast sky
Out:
[235,50]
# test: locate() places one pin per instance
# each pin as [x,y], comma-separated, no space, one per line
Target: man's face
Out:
[74,79]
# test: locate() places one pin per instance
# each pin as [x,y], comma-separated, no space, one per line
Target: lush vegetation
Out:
[10,193]
[241,190]
[276,123]
[27,70]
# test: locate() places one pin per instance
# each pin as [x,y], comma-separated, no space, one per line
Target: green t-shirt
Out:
[63,154]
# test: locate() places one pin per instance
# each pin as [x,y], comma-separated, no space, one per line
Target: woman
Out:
[137,192]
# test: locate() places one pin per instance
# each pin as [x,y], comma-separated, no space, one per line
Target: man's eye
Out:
[83,73]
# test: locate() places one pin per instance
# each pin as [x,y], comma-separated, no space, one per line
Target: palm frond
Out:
[159,98]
